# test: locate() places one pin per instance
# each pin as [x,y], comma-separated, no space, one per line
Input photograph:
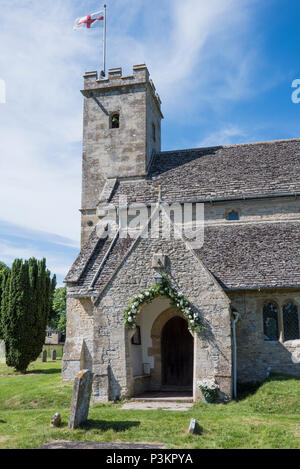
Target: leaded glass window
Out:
[270,318]
[290,321]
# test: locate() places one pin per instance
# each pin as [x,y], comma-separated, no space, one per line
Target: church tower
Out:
[121,133]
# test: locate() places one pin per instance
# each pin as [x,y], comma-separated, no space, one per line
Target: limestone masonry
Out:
[248,267]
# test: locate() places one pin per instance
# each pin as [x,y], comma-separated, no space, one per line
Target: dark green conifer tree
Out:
[25,309]
[4,279]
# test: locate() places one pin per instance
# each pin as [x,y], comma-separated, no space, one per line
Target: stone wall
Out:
[254,354]
[280,209]
[112,363]
[122,152]
[78,349]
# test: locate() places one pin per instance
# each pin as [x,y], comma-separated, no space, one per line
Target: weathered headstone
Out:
[81,398]
[194,428]
[44,355]
[53,354]
[56,420]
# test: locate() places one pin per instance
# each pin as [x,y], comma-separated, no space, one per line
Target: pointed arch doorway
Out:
[177,355]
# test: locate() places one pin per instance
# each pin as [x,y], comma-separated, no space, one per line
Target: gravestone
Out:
[194,427]
[44,355]
[53,354]
[81,398]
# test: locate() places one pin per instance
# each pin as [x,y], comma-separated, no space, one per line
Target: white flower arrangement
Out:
[209,389]
[165,289]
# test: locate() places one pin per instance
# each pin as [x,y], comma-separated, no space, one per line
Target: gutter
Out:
[234,364]
[211,200]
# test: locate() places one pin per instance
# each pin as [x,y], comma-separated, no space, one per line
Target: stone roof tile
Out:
[218,172]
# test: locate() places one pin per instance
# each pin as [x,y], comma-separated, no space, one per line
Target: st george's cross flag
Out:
[89,21]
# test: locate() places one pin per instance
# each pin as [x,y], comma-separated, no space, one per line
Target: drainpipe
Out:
[233,322]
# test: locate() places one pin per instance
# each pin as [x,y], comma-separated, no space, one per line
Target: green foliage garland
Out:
[164,289]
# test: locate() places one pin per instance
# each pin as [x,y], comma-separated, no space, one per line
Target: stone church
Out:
[242,282]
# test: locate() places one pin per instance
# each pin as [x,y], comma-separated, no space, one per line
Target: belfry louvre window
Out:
[270,318]
[290,321]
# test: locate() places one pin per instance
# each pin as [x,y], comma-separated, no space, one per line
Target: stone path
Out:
[152,405]
[99,445]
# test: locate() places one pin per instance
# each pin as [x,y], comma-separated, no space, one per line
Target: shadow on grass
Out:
[51,371]
[247,389]
[105,425]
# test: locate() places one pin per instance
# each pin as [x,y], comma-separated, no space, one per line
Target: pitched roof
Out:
[240,256]
[218,172]
[91,264]
[243,256]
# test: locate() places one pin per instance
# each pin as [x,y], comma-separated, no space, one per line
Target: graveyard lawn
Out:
[265,417]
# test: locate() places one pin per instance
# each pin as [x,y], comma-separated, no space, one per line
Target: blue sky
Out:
[223,69]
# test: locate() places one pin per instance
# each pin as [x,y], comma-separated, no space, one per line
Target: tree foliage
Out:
[3,266]
[57,318]
[27,291]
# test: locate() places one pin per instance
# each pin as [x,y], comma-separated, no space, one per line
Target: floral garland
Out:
[164,289]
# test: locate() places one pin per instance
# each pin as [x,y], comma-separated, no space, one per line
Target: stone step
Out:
[163,397]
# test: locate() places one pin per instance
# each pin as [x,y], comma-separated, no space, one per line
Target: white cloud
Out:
[55,263]
[225,136]
[42,61]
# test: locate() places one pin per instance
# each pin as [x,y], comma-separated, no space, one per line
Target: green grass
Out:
[269,417]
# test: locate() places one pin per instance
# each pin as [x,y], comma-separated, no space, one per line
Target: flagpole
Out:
[103,73]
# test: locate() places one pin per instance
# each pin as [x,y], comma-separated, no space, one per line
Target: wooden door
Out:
[177,350]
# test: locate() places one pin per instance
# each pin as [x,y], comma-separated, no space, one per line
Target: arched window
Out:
[270,318]
[233,215]
[115,121]
[290,321]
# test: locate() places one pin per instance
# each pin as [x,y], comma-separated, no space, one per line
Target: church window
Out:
[290,321]
[233,215]
[90,223]
[270,319]
[153,132]
[115,120]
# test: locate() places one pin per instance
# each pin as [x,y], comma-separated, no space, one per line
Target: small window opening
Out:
[115,121]
[153,132]
[233,215]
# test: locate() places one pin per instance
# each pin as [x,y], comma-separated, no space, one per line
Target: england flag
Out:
[89,21]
